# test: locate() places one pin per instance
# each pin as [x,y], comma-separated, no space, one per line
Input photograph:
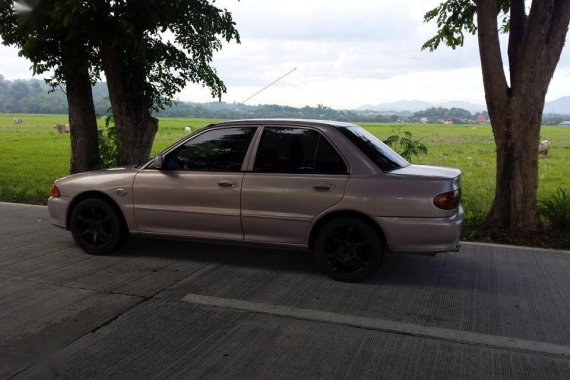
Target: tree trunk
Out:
[82,122]
[136,128]
[535,45]
[516,133]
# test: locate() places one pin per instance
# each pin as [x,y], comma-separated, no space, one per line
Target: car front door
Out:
[297,174]
[197,191]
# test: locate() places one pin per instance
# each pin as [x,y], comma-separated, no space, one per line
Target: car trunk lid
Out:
[430,172]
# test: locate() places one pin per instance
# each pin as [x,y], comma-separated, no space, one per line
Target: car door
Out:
[297,174]
[197,191]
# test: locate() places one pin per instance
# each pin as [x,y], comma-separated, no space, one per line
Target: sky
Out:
[346,54]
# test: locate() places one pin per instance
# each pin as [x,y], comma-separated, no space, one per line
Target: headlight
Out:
[55,192]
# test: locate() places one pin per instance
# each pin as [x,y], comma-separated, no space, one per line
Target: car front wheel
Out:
[349,249]
[96,227]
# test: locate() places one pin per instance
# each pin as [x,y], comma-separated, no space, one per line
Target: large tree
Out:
[53,35]
[536,36]
[149,50]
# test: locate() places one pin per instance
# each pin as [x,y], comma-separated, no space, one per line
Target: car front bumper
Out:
[57,208]
[423,235]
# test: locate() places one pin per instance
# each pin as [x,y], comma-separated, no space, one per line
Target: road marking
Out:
[448,335]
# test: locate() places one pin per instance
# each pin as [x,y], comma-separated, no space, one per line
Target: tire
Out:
[97,227]
[349,249]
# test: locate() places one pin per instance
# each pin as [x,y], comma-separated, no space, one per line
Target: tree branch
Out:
[494,80]
[544,38]
[559,26]
[516,34]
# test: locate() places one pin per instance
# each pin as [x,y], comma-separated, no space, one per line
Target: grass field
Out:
[32,155]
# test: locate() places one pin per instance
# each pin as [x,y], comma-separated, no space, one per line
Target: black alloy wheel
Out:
[349,249]
[96,227]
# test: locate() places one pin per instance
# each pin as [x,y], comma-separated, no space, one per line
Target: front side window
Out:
[296,150]
[215,150]
[378,152]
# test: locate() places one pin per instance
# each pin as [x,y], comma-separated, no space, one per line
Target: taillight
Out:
[448,201]
[55,192]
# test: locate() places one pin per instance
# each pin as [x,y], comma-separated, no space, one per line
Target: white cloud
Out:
[346,54]
[12,66]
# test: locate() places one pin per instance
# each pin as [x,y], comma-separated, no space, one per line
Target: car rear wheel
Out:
[97,228]
[349,249]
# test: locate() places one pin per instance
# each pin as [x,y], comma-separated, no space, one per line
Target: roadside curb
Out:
[21,204]
[518,247]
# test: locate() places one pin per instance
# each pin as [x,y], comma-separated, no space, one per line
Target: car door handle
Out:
[322,187]
[226,183]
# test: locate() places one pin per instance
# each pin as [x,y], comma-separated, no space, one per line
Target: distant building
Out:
[565,123]
[482,119]
[448,121]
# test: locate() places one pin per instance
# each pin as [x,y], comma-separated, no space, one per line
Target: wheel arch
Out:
[324,219]
[97,195]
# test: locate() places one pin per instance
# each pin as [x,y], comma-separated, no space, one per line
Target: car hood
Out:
[103,172]
[427,171]
[107,180]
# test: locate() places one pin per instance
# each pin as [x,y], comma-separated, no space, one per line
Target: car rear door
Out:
[197,191]
[297,174]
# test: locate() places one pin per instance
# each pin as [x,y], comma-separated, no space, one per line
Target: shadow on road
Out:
[396,268]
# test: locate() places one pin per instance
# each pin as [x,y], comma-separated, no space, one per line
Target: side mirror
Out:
[158,162]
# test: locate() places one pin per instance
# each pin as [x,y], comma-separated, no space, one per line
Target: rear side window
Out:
[215,150]
[378,152]
[296,150]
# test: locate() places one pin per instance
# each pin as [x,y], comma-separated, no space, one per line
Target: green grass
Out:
[32,155]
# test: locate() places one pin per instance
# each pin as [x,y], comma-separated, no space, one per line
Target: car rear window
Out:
[296,150]
[378,152]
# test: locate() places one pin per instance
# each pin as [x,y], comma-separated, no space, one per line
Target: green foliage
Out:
[161,66]
[108,144]
[54,34]
[556,210]
[404,143]
[444,113]
[454,18]
[60,35]
[35,96]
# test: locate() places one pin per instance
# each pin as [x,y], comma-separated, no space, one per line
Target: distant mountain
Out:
[399,106]
[559,106]
[471,107]
[418,105]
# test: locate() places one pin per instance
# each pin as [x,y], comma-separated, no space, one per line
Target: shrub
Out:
[108,146]
[403,142]
[556,210]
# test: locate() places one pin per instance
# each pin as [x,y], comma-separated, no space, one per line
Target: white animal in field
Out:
[187,130]
[17,120]
[543,147]
[62,128]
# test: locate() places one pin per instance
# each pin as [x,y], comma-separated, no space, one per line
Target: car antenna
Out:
[258,92]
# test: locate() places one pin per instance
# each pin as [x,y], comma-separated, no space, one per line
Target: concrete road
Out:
[162,309]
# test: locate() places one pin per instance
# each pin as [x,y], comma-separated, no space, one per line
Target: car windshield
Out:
[378,152]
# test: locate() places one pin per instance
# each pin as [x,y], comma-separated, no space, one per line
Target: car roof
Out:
[285,122]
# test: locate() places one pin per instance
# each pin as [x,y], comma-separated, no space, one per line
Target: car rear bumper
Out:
[422,235]
[57,208]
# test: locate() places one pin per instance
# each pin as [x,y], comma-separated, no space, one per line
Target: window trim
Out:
[249,168]
[187,139]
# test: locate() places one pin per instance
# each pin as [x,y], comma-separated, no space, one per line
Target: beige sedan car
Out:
[327,186]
